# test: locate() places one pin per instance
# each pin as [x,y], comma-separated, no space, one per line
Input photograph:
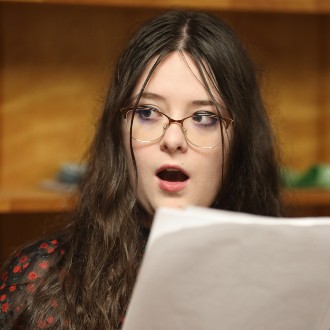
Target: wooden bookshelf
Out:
[56,58]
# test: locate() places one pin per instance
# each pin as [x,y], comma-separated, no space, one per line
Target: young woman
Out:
[183,124]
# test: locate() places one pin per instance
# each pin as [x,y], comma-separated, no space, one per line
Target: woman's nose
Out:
[174,139]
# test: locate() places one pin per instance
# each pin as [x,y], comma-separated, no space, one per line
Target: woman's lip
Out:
[172,186]
[175,167]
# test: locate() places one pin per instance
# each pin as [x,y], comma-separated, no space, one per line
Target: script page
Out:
[211,269]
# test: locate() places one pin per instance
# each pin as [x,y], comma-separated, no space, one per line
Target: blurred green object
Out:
[317,176]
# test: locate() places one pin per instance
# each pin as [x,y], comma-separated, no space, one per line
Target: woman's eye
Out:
[147,113]
[205,118]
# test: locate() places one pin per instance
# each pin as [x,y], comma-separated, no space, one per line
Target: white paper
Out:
[211,269]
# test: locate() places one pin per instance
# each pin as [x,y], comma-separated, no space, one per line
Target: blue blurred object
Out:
[71,173]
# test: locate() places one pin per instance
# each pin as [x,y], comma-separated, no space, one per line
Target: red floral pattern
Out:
[19,282]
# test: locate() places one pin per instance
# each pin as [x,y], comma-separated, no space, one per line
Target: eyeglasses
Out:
[202,129]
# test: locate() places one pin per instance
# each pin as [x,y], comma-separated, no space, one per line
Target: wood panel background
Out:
[16,231]
[55,68]
[294,6]
[55,64]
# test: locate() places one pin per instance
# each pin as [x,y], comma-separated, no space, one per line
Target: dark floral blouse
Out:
[23,274]
[18,283]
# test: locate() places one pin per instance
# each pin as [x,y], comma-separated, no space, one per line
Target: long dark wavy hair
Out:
[94,279]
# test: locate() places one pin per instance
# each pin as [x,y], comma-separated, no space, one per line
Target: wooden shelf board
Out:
[35,201]
[43,201]
[292,6]
[306,197]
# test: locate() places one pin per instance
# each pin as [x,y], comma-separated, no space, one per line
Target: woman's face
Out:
[171,171]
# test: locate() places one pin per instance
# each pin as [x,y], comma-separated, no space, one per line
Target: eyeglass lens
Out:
[202,129]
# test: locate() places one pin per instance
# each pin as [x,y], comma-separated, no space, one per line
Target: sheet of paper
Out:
[211,269]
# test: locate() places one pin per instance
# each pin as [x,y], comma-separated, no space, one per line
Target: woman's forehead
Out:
[182,66]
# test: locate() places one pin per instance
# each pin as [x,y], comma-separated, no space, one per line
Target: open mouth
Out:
[172,175]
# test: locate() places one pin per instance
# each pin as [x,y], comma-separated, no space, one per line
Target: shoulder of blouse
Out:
[19,280]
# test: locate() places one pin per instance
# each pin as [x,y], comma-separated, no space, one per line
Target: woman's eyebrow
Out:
[158,97]
[203,102]
[148,95]
[208,102]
